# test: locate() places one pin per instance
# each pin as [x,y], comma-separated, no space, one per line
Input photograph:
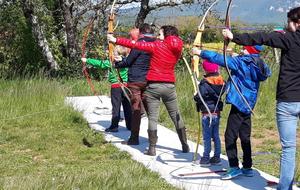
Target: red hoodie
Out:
[164,56]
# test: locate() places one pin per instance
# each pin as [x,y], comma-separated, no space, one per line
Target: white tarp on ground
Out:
[169,161]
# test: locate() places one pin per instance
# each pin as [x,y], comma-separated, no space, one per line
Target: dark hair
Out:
[146,28]
[294,14]
[169,30]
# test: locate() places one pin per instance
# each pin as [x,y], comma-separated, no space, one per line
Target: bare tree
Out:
[76,13]
[70,28]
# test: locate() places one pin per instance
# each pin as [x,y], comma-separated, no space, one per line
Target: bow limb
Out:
[225,45]
[197,90]
[197,41]
[195,74]
[83,49]
[190,72]
[111,31]
[197,44]
[199,115]
[195,64]
[111,47]
[195,61]
[206,13]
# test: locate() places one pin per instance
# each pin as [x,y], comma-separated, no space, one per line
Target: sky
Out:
[251,11]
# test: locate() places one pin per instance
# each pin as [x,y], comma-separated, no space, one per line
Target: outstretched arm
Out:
[280,40]
[102,64]
[140,45]
[129,60]
[217,58]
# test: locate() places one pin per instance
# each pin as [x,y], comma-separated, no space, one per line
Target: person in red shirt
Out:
[160,80]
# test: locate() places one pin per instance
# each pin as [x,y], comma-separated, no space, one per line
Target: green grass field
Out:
[41,143]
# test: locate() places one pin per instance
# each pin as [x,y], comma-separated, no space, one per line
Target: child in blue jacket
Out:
[247,71]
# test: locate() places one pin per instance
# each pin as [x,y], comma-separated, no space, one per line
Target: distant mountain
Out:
[249,11]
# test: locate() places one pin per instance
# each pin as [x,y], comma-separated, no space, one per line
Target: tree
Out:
[29,10]
[57,27]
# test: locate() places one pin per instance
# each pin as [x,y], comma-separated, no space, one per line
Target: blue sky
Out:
[250,11]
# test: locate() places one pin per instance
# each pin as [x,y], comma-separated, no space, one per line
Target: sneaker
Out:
[215,161]
[232,173]
[112,129]
[248,172]
[204,162]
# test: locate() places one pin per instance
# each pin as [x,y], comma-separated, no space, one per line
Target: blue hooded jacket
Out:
[247,71]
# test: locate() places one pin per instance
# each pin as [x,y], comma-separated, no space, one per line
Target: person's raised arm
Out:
[140,45]
[216,58]
[280,40]
[129,60]
[102,64]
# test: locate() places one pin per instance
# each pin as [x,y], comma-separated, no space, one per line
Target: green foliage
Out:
[18,50]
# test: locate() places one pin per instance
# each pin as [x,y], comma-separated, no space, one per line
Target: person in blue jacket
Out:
[247,71]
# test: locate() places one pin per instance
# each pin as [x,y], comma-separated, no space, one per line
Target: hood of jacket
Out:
[258,68]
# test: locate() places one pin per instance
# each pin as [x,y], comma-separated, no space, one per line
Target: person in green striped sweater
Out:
[118,81]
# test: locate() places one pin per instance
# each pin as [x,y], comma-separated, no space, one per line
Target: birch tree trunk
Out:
[38,34]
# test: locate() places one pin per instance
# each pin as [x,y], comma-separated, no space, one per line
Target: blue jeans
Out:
[211,132]
[287,116]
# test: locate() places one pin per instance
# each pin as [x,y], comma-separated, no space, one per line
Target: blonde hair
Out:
[120,51]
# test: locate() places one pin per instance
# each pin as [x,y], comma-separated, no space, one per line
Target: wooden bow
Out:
[194,73]
[83,49]
[111,29]
[225,45]
[111,20]
[195,60]
[197,42]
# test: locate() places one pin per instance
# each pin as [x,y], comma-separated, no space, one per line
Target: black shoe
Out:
[215,161]
[112,129]
[131,142]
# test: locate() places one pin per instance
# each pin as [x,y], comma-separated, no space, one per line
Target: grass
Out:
[41,143]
